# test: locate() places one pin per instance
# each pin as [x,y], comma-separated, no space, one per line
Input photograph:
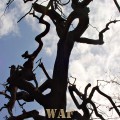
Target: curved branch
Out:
[107,26]
[54,16]
[82,25]
[3,108]
[41,20]
[29,87]
[98,41]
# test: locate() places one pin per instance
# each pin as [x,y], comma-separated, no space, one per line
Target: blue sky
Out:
[87,63]
[12,46]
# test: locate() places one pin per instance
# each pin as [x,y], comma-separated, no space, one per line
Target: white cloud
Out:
[8,21]
[90,63]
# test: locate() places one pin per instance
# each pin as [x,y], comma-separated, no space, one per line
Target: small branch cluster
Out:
[88,100]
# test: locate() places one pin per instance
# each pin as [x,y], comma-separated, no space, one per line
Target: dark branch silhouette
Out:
[31,114]
[21,76]
[117,5]
[26,72]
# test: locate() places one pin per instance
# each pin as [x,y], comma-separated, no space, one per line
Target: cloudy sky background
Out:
[88,63]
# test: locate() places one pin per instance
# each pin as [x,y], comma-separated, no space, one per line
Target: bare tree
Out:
[56,99]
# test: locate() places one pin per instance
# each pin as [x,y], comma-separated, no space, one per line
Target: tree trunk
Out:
[57,97]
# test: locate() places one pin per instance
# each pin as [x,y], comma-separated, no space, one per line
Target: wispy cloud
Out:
[8,20]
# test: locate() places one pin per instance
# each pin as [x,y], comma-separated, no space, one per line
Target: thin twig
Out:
[2,108]
[94,27]
[24,15]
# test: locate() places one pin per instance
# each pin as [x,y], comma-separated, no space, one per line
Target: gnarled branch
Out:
[98,41]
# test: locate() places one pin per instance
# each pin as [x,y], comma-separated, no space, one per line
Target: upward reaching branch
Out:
[98,41]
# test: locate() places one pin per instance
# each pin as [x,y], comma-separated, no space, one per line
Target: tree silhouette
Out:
[56,99]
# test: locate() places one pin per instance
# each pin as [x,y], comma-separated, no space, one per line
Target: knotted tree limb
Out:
[89,99]
[46,84]
[37,8]
[107,26]
[42,21]
[19,96]
[82,25]
[98,41]
[65,24]
[54,16]
[15,82]
[29,87]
